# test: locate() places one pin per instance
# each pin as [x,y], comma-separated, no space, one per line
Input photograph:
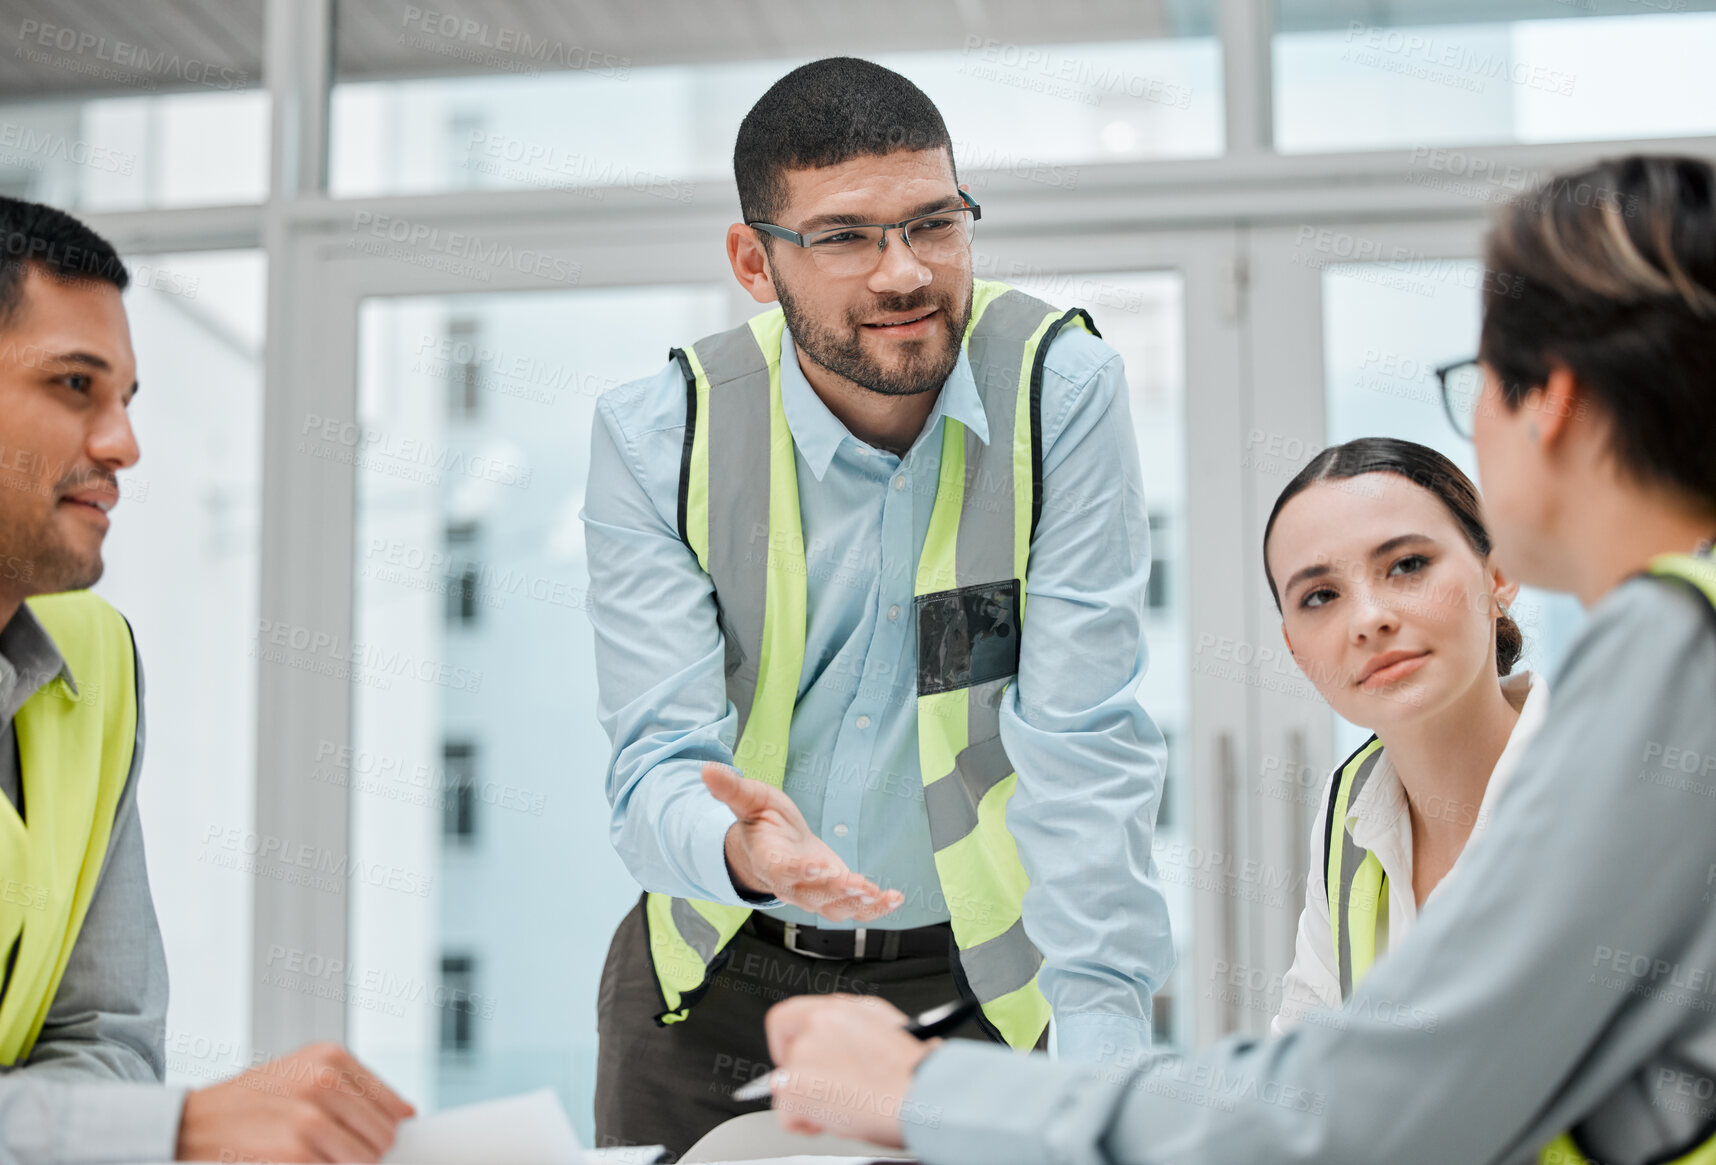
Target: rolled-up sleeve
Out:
[659,661]
[1089,759]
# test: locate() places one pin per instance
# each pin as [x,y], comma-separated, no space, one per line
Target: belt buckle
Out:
[790,942]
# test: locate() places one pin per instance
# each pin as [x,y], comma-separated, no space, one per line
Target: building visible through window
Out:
[1156,592]
[465,573]
[464,395]
[459,809]
[458,1004]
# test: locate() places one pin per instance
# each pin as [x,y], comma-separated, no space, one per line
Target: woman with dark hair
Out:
[1557,1001]
[1379,562]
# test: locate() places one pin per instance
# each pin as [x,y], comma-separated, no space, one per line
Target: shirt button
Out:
[894,611]
[841,830]
[900,482]
[863,722]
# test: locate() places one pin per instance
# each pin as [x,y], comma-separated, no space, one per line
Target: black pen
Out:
[937,1021]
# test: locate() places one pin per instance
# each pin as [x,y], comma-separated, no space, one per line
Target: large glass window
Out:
[477,766]
[1353,76]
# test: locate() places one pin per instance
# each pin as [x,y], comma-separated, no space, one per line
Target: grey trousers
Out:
[670,1085]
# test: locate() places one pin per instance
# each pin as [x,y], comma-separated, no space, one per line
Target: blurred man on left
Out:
[83,976]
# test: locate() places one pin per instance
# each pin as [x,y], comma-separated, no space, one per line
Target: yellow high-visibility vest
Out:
[738,477]
[74,753]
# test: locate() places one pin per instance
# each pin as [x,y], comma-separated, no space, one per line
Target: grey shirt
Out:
[90,1090]
[1566,976]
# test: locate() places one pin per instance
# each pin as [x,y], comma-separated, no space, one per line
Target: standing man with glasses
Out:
[843,760]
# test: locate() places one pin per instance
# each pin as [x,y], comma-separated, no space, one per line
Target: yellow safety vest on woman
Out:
[74,754]
[739,513]
[1358,889]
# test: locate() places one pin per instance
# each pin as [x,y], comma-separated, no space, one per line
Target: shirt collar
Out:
[1376,813]
[818,433]
[28,662]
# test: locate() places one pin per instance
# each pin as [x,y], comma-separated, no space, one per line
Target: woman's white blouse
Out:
[1380,823]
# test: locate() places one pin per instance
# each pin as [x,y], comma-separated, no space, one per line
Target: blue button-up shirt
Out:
[1088,757]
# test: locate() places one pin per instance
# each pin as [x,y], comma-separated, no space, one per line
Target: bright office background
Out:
[451,917]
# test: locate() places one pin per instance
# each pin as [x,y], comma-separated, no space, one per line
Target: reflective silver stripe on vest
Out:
[696,930]
[738,420]
[1001,965]
[995,350]
[737,559]
[952,801]
[1352,857]
[984,551]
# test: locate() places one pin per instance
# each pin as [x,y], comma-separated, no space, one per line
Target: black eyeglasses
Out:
[940,236]
[1462,387]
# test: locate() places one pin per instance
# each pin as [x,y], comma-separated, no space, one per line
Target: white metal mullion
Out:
[159,232]
[1231,191]
[1248,81]
[1252,189]
[305,577]
[298,70]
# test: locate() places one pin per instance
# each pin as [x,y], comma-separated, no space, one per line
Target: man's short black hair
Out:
[60,244]
[824,113]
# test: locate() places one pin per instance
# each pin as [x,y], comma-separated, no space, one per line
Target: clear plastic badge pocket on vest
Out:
[967,636]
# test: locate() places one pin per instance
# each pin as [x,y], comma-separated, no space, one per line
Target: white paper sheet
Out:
[624,1155]
[811,1160]
[529,1129]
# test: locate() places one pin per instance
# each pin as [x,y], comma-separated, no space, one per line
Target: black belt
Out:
[866,943]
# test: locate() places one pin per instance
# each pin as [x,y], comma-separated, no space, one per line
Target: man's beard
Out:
[38,550]
[922,370]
